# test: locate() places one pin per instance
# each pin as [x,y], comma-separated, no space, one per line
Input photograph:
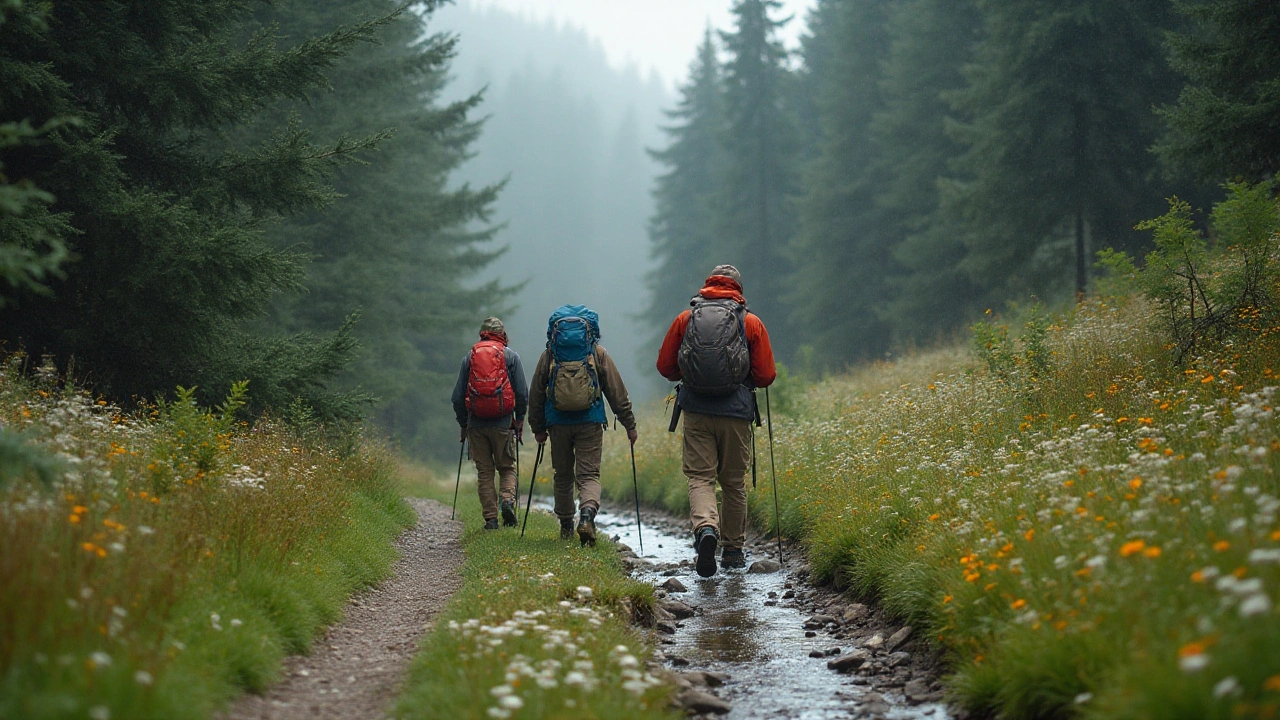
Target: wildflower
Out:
[1135,483]
[142,677]
[1132,548]
[1193,663]
[1254,605]
[1272,683]
[1221,546]
[99,659]
[1018,604]
[1226,686]
[1083,698]
[1152,552]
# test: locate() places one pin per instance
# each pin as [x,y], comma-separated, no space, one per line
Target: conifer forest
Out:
[1019,263]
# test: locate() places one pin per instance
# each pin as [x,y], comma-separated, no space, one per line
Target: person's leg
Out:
[699,464]
[482,456]
[733,441]
[562,463]
[503,441]
[588,445]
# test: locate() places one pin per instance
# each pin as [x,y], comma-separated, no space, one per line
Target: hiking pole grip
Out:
[675,412]
[462,452]
[635,485]
[773,473]
[537,460]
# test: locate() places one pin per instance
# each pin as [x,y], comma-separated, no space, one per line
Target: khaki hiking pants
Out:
[493,449]
[718,448]
[575,457]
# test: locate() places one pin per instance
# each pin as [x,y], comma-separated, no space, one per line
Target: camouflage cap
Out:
[728,271]
[492,325]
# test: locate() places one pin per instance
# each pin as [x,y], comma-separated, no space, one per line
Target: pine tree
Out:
[842,251]
[1226,122]
[162,211]
[682,231]
[755,219]
[1060,96]
[932,41]
[399,244]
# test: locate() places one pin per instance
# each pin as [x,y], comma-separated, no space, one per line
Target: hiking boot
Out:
[704,542]
[491,524]
[587,527]
[509,513]
[566,529]
[732,559]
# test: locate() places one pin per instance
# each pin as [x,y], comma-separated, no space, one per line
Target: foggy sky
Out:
[656,35]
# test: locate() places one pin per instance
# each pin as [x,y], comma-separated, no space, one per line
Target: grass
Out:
[177,555]
[540,629]
[1100,541]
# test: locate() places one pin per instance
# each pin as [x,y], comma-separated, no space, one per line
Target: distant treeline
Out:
[927,159]
[197,192]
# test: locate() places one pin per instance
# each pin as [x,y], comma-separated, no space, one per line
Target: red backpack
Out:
[489,392]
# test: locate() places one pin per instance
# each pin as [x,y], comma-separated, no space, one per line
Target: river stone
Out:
[832,652]
[670,572]
[674,585]
[848,663]
[704,678]
[678,609]
[623,548]
[899,658]
[818,621]
[666,626]
[716,679]
[895,640]
[917,691]
[875,642]
[764,566]
[701,702]
[677,661]
[854,612]
[816,654]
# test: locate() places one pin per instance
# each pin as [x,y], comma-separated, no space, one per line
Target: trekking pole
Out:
[461,453]
[537,460]
[773,473]
[635,484]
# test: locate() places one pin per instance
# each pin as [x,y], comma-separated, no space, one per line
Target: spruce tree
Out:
[932,41]
[842,251]
[756,221]
[399,244]
[1060,97]
[682,231]
[161,209]
[1226,122]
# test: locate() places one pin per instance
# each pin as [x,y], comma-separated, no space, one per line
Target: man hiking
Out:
[573,378]
[489,401]
[720,353]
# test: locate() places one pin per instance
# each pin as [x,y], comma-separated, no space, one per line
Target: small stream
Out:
[762,647]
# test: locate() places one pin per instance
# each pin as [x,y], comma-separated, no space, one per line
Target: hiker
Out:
[720,353]
[573,378]
[489,401]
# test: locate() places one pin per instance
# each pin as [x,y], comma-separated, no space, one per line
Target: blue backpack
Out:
[573,385]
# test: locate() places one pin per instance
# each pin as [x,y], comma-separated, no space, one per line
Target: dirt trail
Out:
[355,670]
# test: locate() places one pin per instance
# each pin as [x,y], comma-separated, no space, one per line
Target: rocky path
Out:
[355,671]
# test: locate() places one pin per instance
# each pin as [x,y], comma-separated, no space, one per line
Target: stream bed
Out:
[752,628]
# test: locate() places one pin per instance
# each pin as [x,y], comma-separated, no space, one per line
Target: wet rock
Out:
[700,702]
[678,609]
[669,572]
[848,663]
[716,679]
[772,594]
[856,611]
[666,627]
[788,594]
[677,661]
[770,603]
[899,658]
[875,643]
[832,652]
[896,640]
[674,585]
[818,621]
[873,705]
[764,566]
[810,633]
[661,613]
[917,691]
[816,654]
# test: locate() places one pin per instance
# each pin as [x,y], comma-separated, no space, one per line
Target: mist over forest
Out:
[570,133]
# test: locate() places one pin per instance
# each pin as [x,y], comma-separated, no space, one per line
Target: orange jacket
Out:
[763,372]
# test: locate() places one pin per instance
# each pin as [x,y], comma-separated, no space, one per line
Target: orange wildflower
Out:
[1222,546]
[1132,547]
[1018,604]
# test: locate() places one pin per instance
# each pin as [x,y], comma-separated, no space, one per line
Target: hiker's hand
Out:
[517,426]
[540,437]
[463,437]
[632,435]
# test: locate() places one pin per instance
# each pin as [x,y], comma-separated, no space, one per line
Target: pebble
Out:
[678,609]
[674,585]
[817,654]
[701,702]
[875,642]
[854,612]
[848,663]
[810,633]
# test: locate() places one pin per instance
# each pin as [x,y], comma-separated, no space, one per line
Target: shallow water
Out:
[762,648]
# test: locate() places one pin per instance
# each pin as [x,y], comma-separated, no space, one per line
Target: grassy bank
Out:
[1099,543]
[540,629]
[177,555]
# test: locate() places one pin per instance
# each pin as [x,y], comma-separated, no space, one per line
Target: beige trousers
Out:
[718,449]
[493,451]
[575,457]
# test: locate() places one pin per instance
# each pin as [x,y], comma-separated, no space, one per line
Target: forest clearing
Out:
[940,381]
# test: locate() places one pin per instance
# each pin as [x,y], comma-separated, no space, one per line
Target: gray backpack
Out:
[714,358]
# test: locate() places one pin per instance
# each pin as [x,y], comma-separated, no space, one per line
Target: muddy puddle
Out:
[752,628]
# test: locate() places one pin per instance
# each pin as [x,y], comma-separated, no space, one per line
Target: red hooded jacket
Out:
[719,287]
